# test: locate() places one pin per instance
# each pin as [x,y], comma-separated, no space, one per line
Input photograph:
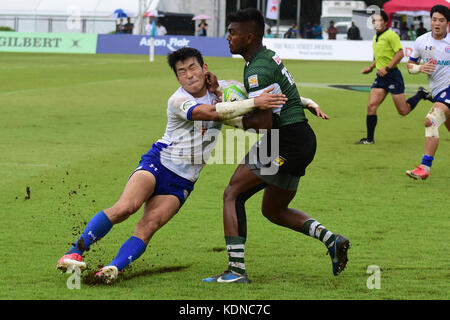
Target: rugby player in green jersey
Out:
[290,142]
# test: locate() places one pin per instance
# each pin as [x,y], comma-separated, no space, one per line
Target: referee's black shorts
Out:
[392,82]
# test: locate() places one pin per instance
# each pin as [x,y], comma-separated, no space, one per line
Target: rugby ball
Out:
[235,92]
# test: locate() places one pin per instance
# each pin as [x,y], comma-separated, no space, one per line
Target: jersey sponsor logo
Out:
[278,161]
[185,106]
[277,59]
[428,47]
[253,81]
[392,86]
[443,94]
[447,49]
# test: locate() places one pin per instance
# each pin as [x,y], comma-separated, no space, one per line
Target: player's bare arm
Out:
[369,68]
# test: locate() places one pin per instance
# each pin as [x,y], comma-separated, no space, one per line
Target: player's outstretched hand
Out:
[211,82]
[366,70]
[269,101]
[428,67]
[318,112]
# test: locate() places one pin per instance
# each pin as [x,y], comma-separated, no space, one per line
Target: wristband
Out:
[413,68]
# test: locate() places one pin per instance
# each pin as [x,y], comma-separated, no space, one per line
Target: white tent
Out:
[92,16]
[96,15]
[101,8]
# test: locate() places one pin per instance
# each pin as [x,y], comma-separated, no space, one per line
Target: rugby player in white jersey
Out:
[167,173]
[434,49]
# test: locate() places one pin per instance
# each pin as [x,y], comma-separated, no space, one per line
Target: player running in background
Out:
[388,53]
[297,147]
[167,173]
[434,49]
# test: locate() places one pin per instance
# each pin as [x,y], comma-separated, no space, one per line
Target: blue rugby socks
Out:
[132,249]
[96,229]
[427,161]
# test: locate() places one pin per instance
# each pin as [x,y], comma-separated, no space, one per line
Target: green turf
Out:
[73,128]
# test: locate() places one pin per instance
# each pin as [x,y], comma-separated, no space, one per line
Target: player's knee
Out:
[229,194]
[372,108]
[124,209]
[403,112]
[151,224]
[270,214]
[434,119]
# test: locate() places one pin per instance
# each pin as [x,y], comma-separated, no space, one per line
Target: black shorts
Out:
[280,158]
[392,82]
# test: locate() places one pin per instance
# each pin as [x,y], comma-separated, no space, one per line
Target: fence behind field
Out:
[296,49]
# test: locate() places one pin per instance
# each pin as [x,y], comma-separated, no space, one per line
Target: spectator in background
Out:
[202,28]
[395,28]
[120,27]
[269,34]
[421,30]
[161,30]
[353,33]
[292,32]
[332,31]
[412,33]
[128,26]
[404,31]
[308,30]
[317,31]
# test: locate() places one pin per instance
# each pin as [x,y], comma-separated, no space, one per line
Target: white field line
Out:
[74,85]
[13,164]
[63,65]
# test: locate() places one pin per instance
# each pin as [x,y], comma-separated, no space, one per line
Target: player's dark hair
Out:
[182,54]
[442,10]
[250,15]
[383,15]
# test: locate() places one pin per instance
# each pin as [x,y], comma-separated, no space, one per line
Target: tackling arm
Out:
[229,110]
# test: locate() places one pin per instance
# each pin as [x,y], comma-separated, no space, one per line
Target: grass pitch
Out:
[73,127]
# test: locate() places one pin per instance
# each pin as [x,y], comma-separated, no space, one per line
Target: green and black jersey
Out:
[266,70]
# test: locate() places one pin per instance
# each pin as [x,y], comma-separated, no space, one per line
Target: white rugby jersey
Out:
[426,48]
[188,144]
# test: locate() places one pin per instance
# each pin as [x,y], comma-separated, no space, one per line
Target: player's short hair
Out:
[442,10]
[250,15]
[383,15]
[182,54]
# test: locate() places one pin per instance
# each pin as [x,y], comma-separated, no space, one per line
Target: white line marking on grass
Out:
[408,88]
[71,85]
[47,66]
[13,164]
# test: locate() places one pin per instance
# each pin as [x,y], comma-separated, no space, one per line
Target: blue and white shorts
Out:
[167,182]
[443,97]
